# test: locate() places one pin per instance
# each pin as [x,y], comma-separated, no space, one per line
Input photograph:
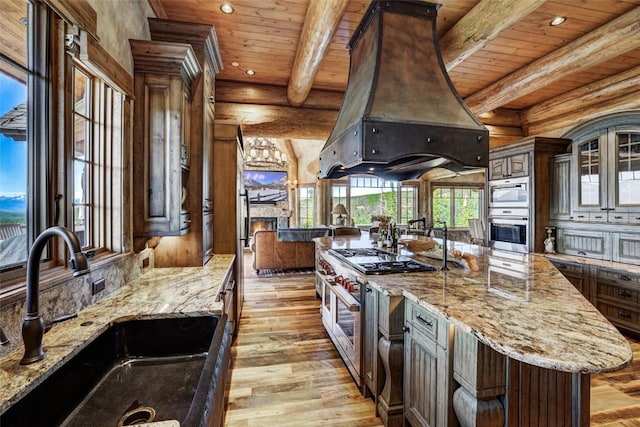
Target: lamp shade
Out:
[339,209]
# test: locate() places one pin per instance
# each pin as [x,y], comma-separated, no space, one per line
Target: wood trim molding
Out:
[77,12]
[97,58]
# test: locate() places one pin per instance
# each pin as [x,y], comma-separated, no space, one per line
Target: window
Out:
[456,205]
[366,197]
[306,205]
[60,165]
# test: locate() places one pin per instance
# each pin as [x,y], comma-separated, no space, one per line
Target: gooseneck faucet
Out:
[424,224]
[33,326]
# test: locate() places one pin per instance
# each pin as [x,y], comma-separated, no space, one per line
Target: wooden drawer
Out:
[424,321]
[620,316]
[620,293]
[626,247]
[587,243]
[582,216]
[568,268]
[634,218]
[618,217]
[598,217]
[618,278]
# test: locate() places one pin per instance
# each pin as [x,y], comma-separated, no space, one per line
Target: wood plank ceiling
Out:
[521,75]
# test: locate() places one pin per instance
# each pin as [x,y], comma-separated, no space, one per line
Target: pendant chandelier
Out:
[262,152]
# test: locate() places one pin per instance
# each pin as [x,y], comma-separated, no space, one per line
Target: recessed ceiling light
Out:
[226,8]
[250,72]
[235,64]
[557,20]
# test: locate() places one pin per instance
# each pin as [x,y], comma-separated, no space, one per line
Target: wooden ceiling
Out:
[519,74]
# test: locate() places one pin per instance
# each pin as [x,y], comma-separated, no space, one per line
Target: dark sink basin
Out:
[135,372]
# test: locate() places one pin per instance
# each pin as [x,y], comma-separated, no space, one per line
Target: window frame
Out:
[310,207]
[452,204]
[347,198]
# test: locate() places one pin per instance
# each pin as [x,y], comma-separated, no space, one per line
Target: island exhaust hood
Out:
[401,115]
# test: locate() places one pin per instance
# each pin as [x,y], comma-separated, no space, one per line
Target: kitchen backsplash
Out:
[74,294]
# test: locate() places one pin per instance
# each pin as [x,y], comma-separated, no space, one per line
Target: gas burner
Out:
[376,261]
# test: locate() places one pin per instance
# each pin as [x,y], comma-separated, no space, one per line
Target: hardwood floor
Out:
[286,371]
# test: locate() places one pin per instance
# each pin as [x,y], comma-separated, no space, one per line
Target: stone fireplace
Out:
[260,223]
[268,216]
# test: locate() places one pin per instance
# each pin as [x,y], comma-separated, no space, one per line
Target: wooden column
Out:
[391,352]
[480,371]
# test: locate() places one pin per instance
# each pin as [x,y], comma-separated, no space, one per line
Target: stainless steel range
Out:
[377,261]
[342,288]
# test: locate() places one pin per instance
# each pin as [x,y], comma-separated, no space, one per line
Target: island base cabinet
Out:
[544,397]
[428,379]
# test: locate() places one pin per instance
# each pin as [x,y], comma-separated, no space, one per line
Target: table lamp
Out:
[340,210]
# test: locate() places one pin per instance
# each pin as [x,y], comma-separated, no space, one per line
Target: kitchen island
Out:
[511,343]
[159,293]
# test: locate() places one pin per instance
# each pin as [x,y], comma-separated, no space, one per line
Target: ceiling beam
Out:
[607,42]
[272,121]
[480,26]
[628,101]
[594,93]
[320,24]
[243,93]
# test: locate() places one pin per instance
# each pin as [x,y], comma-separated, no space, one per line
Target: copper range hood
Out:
[401,115]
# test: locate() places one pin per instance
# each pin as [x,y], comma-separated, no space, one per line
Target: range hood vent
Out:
[401,115]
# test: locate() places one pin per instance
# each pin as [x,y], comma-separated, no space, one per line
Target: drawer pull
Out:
[368,289]
[618,217]
[582,253]
[598,216]
[624,294]
[623,314]
[429,323]
[563,266]
[581,216]
[625,278]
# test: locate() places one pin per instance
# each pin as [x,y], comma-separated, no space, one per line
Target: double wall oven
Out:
[342,278]
[508,223]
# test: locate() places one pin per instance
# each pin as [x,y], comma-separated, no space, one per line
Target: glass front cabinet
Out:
[607,176]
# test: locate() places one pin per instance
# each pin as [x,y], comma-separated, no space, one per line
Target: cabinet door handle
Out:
[604,209]
[624,294]
[368,289]
[405,329]
[625,278]
[582,253]
[429,323]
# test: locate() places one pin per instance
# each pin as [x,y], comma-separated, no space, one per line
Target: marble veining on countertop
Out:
[518,304]
[161,292]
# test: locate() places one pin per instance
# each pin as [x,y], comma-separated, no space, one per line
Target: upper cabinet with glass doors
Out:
[607,171]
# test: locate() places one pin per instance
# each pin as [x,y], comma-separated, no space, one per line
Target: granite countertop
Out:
[630,268]
[159,293]
[518,304]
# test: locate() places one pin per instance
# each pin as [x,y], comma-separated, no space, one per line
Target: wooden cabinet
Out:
[600,244]
[427,368]
[196,248]
[372,369]
[617,297]
[560,197]
[163,76]
[576,273]
[530,157]
[228,222]
[606,167]
[510,166]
